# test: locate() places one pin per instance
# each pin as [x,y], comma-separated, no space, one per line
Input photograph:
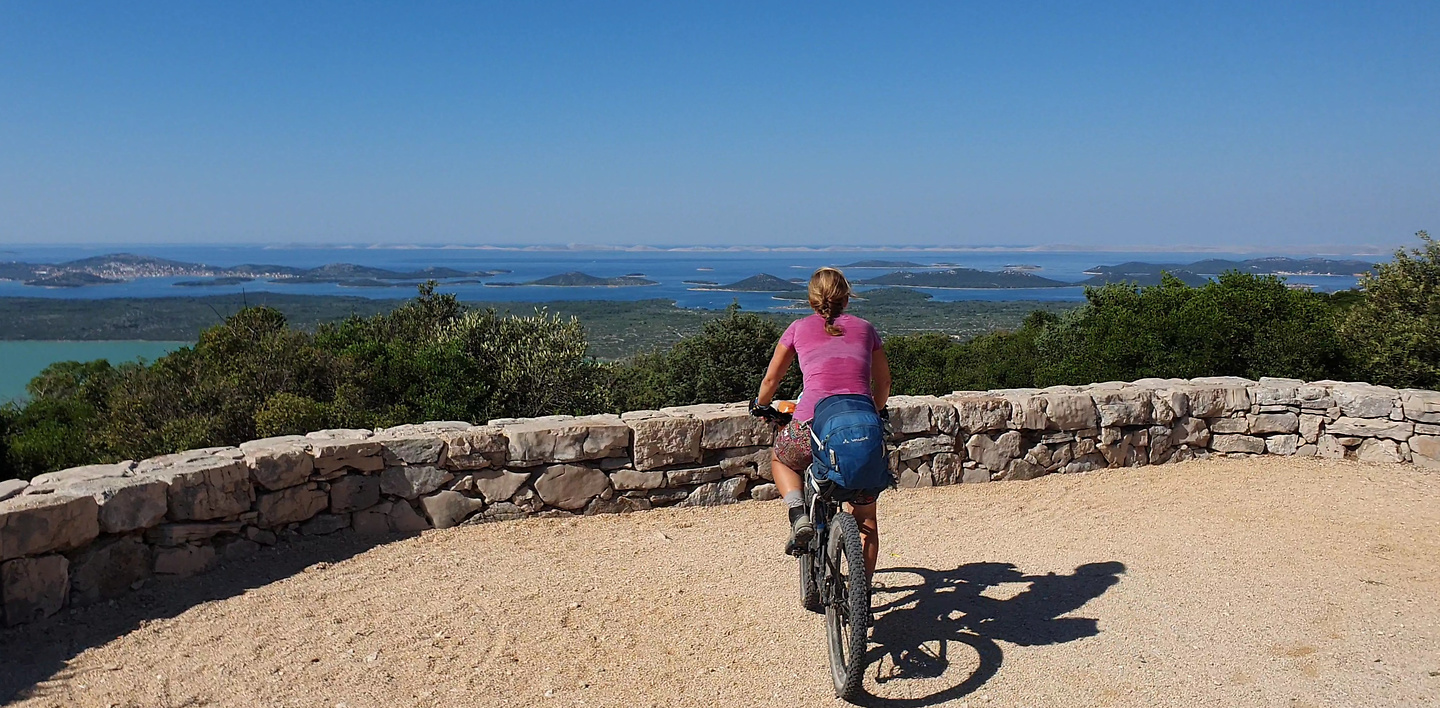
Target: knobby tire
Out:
[847,614]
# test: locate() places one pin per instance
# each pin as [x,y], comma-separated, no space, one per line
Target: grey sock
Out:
[794,499]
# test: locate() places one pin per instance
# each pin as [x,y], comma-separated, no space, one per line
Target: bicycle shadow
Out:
[915,622]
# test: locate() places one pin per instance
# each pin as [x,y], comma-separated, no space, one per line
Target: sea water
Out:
[21,361]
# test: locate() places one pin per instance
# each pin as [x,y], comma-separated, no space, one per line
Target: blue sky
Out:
[1283,125]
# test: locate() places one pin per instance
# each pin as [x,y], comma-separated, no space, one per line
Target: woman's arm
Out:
[879,378]
[779,364]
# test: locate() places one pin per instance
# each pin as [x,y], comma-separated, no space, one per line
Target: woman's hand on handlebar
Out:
[769,413]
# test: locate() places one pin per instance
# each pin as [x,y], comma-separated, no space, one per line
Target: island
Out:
[762,283]
[213,282]
[966,278]
[73,279]
[120,267]
[1200,272]
[576,279]
[884,264]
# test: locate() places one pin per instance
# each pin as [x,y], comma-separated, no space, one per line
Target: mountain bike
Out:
[832,574]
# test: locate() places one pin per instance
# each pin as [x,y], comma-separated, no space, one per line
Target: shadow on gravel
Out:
[917,622]
[31,655]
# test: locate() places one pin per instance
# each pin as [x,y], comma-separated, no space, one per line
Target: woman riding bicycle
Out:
[839,354]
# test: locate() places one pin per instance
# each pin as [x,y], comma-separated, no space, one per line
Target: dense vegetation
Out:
[432,358]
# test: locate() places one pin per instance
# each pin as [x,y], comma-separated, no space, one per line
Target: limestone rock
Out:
[12,488]
[1276,392]
[500,484]
[322,524]
[975,475]
[1190,431]
[912,415]
[994,453]
[1282,444]
[752,462]
[1371,428]
[374,521]
[916,478]
[570,487]
[666,497]
[276,463]
[1378,450]
[1421,406]
[566,439]
[237,549]
[1169,405]
[945,468]
[726,491]
[184,561]
[35,524]
[447,509]
[126,503]
[625,480]
[290,505]
[726,425]
[108,568]
[1230,426]
[764,492]
[1215,397]
[190,532]
[1310,427]
[1358,400]
[203,484]
[662,440]
[1023,470]
[412,444]
[1330,447]
[409,482]
[336,451]
[34,588]
[1122,406]
[980,412]
[475,447]
[1238,443]
[916,448]
[403,519]
[1425,451]
[354,492]
[618,505]
[699,475]
[84,473]
[264,537]
[1271,423]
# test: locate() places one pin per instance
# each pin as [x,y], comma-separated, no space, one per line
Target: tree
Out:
[1393,334]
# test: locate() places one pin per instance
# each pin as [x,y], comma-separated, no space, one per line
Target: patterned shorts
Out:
[792,445]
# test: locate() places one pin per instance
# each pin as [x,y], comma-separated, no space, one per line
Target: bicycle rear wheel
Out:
[847,609]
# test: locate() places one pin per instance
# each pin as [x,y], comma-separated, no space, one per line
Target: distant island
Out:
[884,264]
[967,278]
[1200,272]
[762,283]
[577,279]
[120,267]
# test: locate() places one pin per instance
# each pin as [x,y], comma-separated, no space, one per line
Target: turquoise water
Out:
[21,361]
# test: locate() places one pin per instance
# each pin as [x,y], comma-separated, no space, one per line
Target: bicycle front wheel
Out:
[847,612]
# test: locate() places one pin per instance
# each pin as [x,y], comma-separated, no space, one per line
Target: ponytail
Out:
[828,296]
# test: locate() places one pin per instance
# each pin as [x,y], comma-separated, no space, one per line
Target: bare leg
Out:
[869,534]
[786,479]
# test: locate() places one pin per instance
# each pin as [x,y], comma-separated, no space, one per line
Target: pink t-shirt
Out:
[831,365]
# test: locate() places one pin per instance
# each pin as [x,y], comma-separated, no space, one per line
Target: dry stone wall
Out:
[82,535]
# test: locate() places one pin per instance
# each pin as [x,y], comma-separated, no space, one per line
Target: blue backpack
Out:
[847,439]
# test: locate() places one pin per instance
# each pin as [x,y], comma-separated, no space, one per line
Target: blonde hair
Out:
[829,294]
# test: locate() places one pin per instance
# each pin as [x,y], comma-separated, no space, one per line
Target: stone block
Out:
[446,509]
[662,440]
[235,549]
[1238,443]
[203,484]
[126,503]
[354,492]
[475,447]
[1282,444]
[403,519]
[1310,428]
[39,523]
[1020,470]
[276,463]
[1271,423]
[322,524]
[667,497]
[946,468]
[107,568]
[1230,426]
[1425,451]
[34,588]
[994,453]
[1027,409]
[975,475]
[1122,406]
[336,451]
[374,521]
[618,505]
[980,412]
[182,533]
[290,505]
[566,439]
[409,482]
[1190,431]
[727,491]
[1361,400]
[625,480]
[413,444]
[910,479]
[912,415]
[752,462]
[85,473]
[185,561]
[916,448]
[1371,428]
[1421,406]
[570,487]
[764,492]
[1169,405]
[726,425]
[698,475]
[1213,398]
[1378,450]
[499,485]
[12,488]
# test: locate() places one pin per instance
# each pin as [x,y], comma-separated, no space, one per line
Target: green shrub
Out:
[1393,333]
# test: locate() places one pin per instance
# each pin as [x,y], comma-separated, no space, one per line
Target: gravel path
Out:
[1225,582]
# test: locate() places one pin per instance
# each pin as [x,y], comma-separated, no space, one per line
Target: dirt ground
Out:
[1236,582]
